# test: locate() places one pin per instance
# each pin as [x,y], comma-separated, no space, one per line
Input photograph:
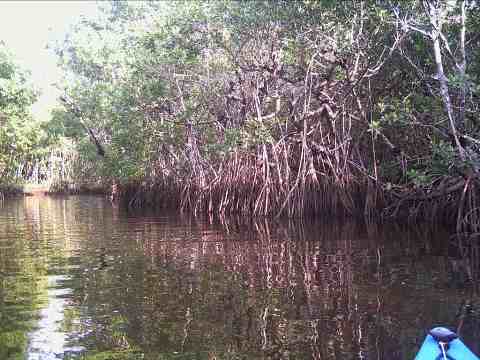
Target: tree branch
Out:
[78,113]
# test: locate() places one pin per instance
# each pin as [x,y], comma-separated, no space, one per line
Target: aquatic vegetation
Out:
[264,109]
[272,109]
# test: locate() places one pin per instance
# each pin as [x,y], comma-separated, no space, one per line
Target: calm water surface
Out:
[79,277]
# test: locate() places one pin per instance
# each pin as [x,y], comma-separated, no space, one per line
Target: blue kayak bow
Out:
[443,344]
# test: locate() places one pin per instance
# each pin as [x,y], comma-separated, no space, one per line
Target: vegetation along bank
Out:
[306,108]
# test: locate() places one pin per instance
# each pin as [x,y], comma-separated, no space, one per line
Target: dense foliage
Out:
[281,107]
[19,136]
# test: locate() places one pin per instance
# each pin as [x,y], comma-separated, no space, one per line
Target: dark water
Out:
[79,277]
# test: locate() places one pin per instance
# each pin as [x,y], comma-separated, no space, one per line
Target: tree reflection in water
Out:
[278,291]
[169,287]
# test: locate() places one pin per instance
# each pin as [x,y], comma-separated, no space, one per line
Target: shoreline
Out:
[9,190]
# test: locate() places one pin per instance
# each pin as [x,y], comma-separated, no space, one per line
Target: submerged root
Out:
[452,201]
[256,185]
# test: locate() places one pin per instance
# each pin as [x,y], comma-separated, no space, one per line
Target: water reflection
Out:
[173,287]
[48,341]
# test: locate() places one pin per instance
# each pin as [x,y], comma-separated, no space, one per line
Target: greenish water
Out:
[80,279]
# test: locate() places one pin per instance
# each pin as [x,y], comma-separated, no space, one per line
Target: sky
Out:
[27,27]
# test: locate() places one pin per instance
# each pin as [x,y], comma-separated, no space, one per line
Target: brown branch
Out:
[78,113]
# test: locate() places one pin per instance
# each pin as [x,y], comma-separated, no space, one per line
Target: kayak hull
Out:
[457,350]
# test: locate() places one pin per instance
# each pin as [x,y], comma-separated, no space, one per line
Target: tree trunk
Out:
[193,154]
[435,19]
